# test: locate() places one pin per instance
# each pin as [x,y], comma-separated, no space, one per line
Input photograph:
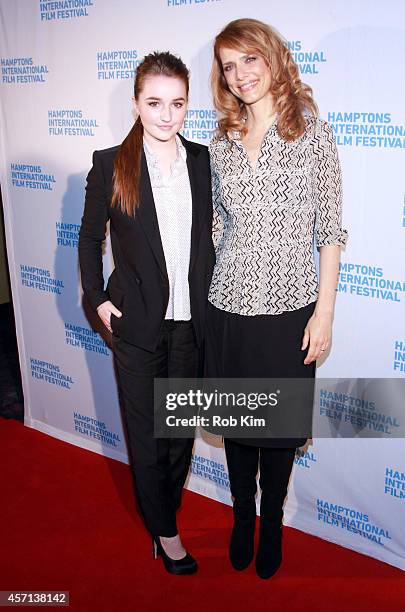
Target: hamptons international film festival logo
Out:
[367,129]
[65,9]
[398,364]
[308,62]
[362,413]
[40,279]
[50,373]
[86,339]
[117,64]
[362,280]
[200,124]
[394,483]
[67,234]
[353,521]
[208,469]
[305,459]
[71,122]
[176,3]
[95,429]
[31,176]
[22,70]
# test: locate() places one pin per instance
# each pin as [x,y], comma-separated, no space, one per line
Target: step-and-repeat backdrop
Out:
[67,70]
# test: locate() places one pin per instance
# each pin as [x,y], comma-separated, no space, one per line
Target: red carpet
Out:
[68,522]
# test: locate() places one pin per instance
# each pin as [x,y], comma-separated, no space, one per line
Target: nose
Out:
[240,72]
[166,114]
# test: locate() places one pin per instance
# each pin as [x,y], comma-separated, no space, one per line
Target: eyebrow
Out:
[242,57]
[154,98]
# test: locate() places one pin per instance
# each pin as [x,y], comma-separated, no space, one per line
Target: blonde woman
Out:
[276,187]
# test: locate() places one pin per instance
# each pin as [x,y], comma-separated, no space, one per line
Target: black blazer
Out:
[139,285]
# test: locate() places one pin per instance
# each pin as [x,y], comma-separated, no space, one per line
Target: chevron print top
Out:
[265,221]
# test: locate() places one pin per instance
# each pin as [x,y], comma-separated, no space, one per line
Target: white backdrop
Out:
[67,71]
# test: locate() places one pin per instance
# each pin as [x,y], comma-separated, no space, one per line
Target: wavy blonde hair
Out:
[291,96]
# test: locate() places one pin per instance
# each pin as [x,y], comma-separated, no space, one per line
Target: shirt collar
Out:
[177,167]
[181,151]
[236,137]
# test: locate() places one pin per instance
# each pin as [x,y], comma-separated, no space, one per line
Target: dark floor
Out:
[11,395]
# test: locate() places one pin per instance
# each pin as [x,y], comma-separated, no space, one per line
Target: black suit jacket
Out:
[139,285]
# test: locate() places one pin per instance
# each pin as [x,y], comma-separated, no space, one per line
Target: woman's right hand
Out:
[105,310]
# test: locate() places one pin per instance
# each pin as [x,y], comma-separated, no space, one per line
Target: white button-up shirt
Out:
[173,203]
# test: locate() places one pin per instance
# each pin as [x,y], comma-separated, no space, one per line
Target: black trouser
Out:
[159,465]
[275,469]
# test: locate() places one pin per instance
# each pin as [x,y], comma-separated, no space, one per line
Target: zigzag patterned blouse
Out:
[266,221]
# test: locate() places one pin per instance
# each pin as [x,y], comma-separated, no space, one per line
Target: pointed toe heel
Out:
[185,566]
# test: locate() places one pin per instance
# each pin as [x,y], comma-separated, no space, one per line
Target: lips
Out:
[248,86]
[165,127]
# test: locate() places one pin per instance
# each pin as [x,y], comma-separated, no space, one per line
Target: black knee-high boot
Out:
[275,469]
[243,462]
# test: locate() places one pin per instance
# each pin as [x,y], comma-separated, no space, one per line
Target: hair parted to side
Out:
[127,164]
[291,96]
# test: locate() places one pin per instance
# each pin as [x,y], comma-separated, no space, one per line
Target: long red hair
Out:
[127,164]
[291,96]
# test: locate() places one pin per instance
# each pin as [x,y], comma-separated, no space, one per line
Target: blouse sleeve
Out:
[217,218]
[328,189]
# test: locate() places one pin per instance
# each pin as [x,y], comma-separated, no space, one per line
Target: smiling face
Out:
[161,105]
[247,75]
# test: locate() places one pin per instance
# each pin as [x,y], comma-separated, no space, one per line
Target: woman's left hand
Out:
[317,334]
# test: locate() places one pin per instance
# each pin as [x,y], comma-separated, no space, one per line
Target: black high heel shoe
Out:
[186,565]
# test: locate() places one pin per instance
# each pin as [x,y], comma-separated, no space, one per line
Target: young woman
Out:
[155,189]
[276,182]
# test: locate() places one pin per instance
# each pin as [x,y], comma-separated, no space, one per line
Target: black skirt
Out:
[260,346]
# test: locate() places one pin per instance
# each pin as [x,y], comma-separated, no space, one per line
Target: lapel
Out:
[146,213]
[147,217]
[198,191]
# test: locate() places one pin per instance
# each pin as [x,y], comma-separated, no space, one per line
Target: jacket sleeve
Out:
[92,235]
[327,188]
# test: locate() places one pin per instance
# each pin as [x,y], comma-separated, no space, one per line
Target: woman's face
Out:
[161,106]
[247,74]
